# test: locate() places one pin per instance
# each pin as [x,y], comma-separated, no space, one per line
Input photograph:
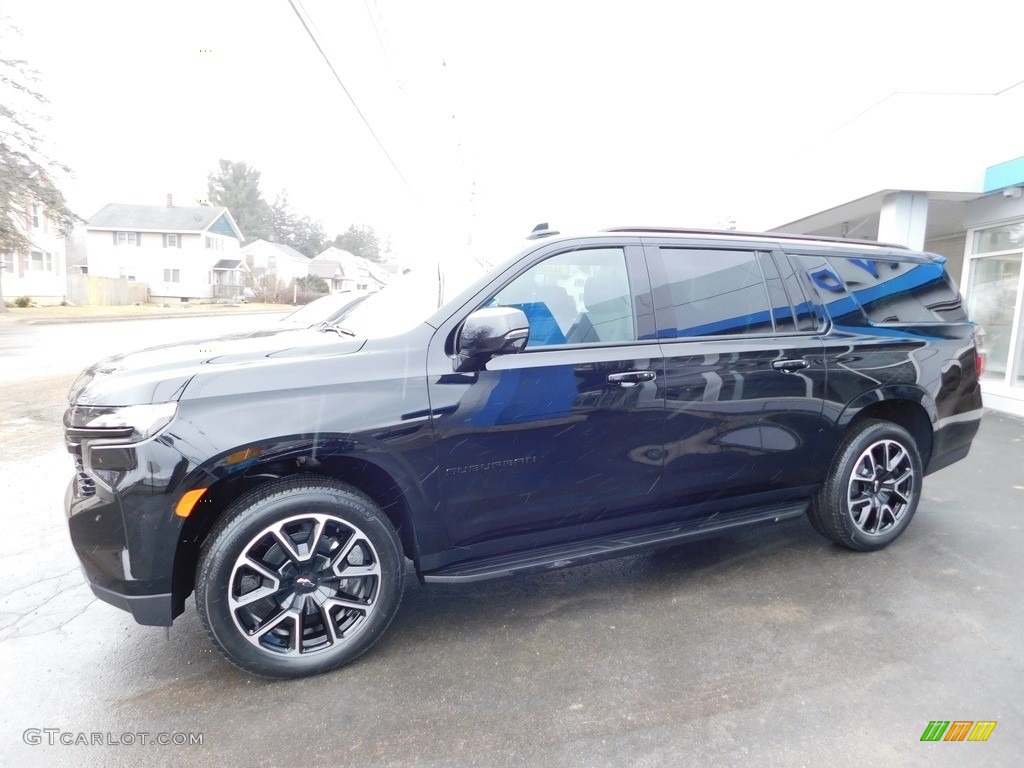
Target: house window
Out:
[172,276]
[35,215]
[171,241]
[214,244]
[8,263]
[39,261]
[126,238]
[271,262]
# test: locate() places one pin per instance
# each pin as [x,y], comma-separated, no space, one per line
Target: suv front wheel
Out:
[300,576]
[872,488]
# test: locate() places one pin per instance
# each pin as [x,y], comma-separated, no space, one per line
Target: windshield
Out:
[319,310]
[413,297]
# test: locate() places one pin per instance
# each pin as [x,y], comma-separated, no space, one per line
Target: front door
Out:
[564,438]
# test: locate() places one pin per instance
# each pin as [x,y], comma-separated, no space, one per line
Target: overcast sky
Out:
[586,114]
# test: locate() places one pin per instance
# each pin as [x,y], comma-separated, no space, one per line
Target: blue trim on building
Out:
[1003,175]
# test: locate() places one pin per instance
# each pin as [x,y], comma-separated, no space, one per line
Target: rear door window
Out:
[709,292]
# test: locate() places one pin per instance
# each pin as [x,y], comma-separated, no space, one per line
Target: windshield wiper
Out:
[338,330]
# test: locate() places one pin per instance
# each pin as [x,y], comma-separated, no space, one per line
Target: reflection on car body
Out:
[590,396]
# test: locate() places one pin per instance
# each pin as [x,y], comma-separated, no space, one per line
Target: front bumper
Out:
[124,530]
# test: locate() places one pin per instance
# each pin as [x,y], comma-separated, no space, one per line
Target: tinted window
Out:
[900,291]
[806,319]
[841,306]
[782,312]
[711,293]
[580,297]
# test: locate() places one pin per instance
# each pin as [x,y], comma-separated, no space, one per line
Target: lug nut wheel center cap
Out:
[306,583]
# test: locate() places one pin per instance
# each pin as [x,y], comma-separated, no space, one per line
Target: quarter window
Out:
[899,291]
[580,297]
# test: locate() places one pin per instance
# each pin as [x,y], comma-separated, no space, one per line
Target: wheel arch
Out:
[909,407]
[369,468]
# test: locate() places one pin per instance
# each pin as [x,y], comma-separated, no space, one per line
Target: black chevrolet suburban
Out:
[589,397]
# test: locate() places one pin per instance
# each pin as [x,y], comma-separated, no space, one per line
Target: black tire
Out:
[300,576]
[872,488]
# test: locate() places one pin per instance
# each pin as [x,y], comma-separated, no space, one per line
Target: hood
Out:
[160,374]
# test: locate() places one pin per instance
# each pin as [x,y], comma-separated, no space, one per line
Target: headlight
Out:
[126,422]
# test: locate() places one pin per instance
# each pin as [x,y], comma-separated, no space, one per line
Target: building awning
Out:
[227,264]
[859,218]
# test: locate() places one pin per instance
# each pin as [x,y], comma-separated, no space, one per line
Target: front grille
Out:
[86,485]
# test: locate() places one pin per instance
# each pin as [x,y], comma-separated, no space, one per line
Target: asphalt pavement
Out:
[769,647]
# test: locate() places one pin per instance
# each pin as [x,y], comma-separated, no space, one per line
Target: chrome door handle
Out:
[788,366]
[630,378]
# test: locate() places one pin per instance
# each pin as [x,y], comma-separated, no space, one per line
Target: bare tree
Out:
[25,170]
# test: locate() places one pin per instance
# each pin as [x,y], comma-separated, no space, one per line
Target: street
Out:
[41,361]
[769,647]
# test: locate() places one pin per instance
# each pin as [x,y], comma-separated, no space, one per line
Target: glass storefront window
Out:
[992,304]
[1006,238]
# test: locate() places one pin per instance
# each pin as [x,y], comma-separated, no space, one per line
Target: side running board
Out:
[612,545]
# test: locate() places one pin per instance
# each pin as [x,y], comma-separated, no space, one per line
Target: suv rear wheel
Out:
[300,576]
[872,488]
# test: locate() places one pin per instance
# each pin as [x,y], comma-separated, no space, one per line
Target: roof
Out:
[334,253]
[228,264]
[323,268]
[287,250]
[351,265]
[160,218]
[728,234]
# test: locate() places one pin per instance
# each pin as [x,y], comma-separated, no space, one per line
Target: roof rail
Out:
[771,235]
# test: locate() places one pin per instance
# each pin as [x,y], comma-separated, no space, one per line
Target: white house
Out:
[345,271]
[276,262]
[181,252]
[40,271]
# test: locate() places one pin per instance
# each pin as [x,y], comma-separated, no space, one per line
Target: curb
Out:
[120,318]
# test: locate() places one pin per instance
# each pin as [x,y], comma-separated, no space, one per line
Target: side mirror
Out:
[489,332]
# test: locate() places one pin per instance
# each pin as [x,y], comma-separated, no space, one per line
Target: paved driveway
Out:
[769,647]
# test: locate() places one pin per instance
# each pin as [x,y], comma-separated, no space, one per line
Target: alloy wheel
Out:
[881,487]
[304,585]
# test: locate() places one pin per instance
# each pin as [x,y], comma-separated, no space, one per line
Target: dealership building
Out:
[969,212]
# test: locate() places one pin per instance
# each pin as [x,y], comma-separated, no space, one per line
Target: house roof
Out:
[228,264]
[351,265]
[160,218]
[323,268]
[287,250]
[333,253]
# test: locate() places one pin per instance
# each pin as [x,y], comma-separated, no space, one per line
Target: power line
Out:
[376,31]
[293,4]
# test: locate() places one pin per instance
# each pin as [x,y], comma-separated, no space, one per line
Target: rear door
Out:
[744,376]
